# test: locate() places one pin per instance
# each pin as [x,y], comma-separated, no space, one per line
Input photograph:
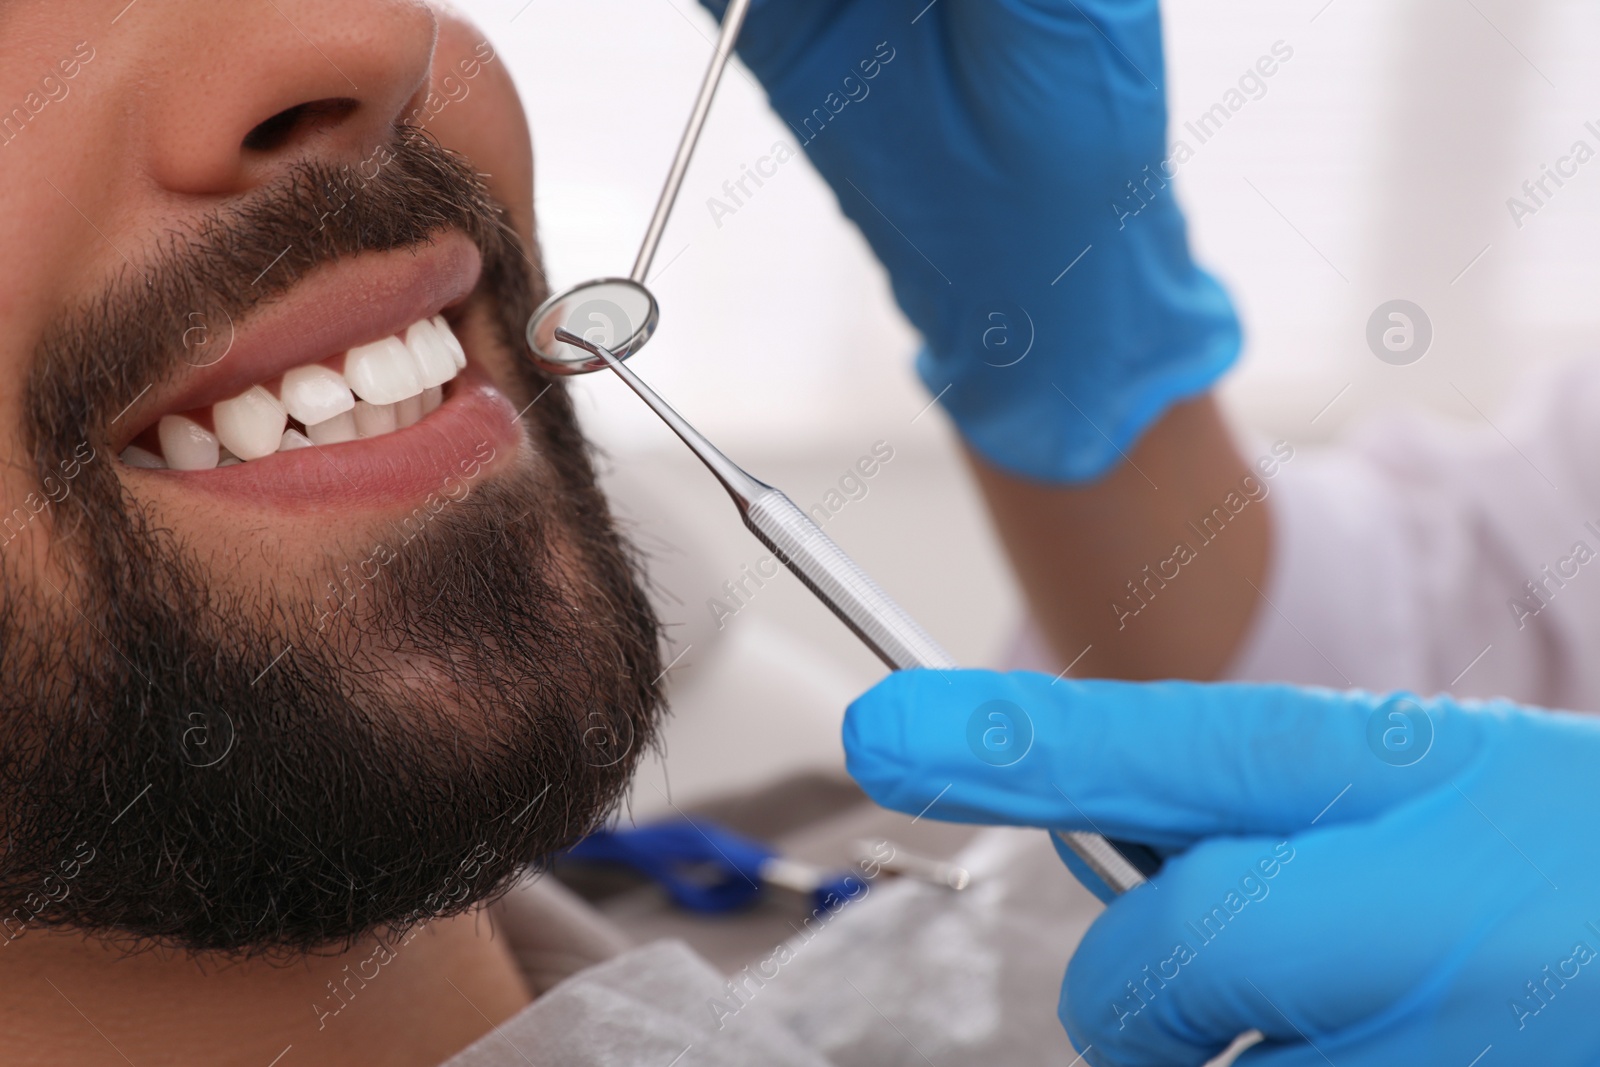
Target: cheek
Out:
[487,124]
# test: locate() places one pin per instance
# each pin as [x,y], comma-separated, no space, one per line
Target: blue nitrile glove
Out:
[1370,881]
[983,147]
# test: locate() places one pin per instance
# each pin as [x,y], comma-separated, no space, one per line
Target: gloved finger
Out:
[1300,938]
[1158,978]
[1026,42]
[1242,934]
[1163,763]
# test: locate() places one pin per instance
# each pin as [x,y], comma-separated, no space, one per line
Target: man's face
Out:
[280,670]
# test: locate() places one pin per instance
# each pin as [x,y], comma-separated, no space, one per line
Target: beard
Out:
[381,739]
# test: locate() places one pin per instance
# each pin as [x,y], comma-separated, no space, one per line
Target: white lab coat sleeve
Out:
[1421,555]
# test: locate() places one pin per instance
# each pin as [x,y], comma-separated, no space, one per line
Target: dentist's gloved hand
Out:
[984,147]
[1370,881]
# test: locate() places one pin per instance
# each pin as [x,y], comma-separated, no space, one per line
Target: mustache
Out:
[99,357]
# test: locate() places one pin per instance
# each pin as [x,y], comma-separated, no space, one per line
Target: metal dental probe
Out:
[836,580]
[732,22]
[623,309]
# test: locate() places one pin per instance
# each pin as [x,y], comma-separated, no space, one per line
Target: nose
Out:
[240,91]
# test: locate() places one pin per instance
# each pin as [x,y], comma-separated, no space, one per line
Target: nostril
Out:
[293,123]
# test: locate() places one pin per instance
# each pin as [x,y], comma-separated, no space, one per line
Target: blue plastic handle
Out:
[702,866]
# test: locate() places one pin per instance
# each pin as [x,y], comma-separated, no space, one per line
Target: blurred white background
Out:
[1377,165]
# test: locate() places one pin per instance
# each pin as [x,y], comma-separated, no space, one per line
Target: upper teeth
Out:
[386,385]
[316,393]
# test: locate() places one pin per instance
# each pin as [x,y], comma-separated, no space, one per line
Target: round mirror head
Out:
[616,313]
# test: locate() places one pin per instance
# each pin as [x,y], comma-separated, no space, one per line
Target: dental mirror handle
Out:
[732,20]
[836,580]
[885,627]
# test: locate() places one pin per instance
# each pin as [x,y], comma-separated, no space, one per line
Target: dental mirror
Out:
[870,613]
[620,313]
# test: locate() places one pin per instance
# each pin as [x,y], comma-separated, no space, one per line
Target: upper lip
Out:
[343,304]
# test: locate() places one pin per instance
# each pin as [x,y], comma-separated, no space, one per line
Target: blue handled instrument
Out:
[709,869]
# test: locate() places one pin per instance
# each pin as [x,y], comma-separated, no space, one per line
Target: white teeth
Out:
[134,456]
[448,336]
[382,372]
[372,420]
[186,444]
[250,425]
[409,411]
[436,363]
[386,386]
[293,439]
[316,394]
[336,431]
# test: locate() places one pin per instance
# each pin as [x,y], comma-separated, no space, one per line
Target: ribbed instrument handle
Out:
[883,626]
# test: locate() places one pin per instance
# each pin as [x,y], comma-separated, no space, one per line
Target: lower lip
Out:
[455,445]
